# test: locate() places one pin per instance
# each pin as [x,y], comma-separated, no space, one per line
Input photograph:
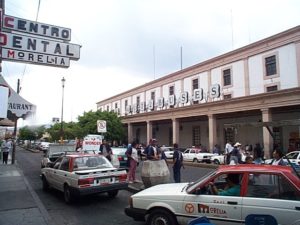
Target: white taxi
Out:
[83,174]
[260,189]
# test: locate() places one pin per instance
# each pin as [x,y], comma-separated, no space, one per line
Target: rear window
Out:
[91,162]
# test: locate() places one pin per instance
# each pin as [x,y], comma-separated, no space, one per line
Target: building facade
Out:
[250,95]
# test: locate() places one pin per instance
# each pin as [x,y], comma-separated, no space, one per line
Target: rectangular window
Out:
[272,88]
[107,108]
[153,99]
[196,136]
[195,85]
[171,92]
[227,77]
[228,96]
[270,63]
[116,105]
[138,102]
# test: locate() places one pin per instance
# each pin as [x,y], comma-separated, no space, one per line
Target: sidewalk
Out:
[19,204]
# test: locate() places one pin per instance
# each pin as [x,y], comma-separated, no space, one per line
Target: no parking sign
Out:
[101,126]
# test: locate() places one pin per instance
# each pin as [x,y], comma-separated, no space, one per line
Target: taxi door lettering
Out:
[203,208]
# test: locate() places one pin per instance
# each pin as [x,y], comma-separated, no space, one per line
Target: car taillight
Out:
[120,158]
[85,182]
[123,177]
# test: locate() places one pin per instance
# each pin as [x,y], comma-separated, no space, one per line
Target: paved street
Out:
[97,209]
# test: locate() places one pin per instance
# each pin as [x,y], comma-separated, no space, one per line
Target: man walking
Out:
[178,163]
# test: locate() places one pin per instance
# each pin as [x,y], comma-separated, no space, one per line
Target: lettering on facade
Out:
[184,98]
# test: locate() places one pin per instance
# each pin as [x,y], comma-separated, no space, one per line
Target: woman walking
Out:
[132,155]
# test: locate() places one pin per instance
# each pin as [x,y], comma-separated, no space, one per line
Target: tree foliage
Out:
[87,124]
[27,133]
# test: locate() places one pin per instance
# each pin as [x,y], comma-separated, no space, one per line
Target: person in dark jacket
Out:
[177,164]
[105,150]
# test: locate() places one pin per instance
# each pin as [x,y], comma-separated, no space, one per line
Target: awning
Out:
[17,107]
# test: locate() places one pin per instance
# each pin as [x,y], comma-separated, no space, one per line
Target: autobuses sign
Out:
[32,42]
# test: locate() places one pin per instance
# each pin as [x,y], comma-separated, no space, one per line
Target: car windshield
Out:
[193,185]
[89,162]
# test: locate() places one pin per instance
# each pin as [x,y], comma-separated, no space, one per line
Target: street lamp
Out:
[63,80]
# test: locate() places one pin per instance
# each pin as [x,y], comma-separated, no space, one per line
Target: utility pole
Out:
[13,155]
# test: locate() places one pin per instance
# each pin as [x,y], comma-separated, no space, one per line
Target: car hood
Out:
[163,190]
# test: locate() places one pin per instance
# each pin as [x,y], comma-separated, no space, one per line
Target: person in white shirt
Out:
[5,148]
[228,149]
[132,155]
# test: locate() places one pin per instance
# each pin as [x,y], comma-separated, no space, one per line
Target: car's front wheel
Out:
[195,160]
[161,217]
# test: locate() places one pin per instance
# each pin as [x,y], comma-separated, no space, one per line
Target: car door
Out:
[186,155]
[61,174]
[272,194]
[221,210]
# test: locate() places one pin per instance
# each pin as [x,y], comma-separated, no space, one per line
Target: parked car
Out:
[169,151]
[263,189]
[55,151]
[195,155]
[294,157]
[120,153]
[220,159]
[44,146]
[83,174]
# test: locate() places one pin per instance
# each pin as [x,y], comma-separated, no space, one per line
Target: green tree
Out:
[26,133]
[114,126]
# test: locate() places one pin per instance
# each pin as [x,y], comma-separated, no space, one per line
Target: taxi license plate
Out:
[125,158]
[106,180]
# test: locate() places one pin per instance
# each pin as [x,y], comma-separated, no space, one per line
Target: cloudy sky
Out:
[126,43]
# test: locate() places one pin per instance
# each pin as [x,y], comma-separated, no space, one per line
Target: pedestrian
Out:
[277,158]
[235,155]
[227,151]
[216,149]
[257,154]
[177,164]
[151,150]
[132,155]
[105,150]
[5,148]
[248,160]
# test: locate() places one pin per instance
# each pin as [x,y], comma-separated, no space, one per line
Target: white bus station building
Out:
[250,95]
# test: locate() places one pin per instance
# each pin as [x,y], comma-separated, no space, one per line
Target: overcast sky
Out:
[126,43]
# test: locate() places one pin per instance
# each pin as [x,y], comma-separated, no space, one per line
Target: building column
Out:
[267,138]
[175,129]
[129,130]
[212,131]
[149,130]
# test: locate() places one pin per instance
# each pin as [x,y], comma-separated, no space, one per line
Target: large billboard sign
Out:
[37,43]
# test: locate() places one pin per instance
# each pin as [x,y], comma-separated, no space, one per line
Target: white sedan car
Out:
[169,151]
[83,174]
[294,157]
[259,189]
[195,155]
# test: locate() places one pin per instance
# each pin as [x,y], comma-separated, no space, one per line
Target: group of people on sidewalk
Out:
[151,152]
[233,155]
[6,147]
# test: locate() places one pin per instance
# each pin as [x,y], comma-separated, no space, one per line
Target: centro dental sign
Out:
[172,101]
[24,41]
